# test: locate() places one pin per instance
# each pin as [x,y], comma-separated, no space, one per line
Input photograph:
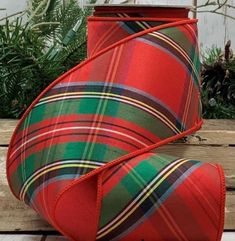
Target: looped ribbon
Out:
[84,153]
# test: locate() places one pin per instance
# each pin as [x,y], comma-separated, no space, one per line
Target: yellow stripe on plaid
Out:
[140,201]
[162,117]
[24,190]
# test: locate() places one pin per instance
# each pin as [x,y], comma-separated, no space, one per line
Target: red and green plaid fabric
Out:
[83,154]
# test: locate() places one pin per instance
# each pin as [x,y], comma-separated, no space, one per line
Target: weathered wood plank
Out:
[23,238]
[219,124]
[230,211]
[227,236]
[7,127]
[217,132]
[16,216]
[213,132]
[60,238]
[211,137]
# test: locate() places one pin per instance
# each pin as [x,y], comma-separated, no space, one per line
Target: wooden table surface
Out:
[228,236]
[215,142]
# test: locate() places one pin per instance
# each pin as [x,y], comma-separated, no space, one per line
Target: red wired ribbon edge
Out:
[83,155]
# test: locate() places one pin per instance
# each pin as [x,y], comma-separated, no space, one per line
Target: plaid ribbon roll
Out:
[83,156]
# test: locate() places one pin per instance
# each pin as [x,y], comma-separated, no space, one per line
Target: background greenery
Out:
[37,48]
[218,83]
[49,38]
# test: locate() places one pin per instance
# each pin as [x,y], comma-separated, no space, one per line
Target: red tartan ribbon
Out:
[84,154]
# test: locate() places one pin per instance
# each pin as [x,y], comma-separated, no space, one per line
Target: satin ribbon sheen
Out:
[84,154]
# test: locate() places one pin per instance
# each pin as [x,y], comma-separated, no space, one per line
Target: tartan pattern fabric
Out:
[83,153]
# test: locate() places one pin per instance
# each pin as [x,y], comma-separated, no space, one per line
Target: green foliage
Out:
[35,51]
[212,55]
[218,84]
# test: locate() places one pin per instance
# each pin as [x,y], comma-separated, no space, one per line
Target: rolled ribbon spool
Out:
[84,153]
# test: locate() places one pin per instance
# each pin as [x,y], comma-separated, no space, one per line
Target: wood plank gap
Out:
[230,189]
[4,145]
[32,232]
[176,143]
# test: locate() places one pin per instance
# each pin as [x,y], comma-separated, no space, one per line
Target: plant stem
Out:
[45,23]
[12,15]
[195,6]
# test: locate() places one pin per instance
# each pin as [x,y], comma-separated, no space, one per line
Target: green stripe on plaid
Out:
[65,151]
[179,37]
[131,185]
[113,108]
